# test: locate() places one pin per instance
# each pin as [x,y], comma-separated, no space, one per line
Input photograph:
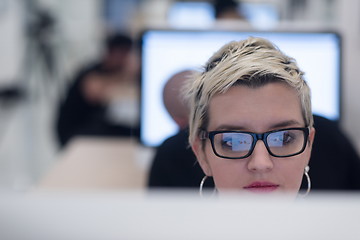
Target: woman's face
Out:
[270,107]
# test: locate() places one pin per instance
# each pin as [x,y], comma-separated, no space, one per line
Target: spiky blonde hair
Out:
[253,62]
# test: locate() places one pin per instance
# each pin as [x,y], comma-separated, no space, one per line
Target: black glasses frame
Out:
[256,137]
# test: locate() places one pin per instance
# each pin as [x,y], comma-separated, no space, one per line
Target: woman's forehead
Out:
[263,107]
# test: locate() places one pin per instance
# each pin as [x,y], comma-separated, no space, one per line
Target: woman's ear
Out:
[311,136]
[199,151]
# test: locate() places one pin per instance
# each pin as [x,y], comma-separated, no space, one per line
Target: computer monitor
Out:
[190,14]
[165,52]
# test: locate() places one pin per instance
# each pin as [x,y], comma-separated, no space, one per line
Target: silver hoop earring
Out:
[306,173]
[202,185]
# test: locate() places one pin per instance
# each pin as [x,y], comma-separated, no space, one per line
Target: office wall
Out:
[11,41]
[349,26]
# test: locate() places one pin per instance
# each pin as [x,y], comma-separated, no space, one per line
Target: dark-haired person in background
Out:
[85,108]
[227,9]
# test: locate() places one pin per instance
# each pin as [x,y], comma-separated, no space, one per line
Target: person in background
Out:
[173,101]
[174,164]
[227,10]
[335,163]
[85,110]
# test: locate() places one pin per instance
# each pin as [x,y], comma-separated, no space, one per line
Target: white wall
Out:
[11,41]
[349,25]
[27,143]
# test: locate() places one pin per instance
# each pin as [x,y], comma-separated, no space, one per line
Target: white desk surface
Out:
[99,163]
[127,215]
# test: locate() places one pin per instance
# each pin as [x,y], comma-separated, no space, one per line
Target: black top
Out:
[175,164]
[334,163]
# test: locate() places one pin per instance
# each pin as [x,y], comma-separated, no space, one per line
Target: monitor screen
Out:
[191,14]
[166,52]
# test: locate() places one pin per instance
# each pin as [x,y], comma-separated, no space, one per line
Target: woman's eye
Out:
[284,138]
[280,139]
[288,138]
[227,143]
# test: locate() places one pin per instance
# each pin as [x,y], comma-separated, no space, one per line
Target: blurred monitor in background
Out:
[165,52]
[190,14]
[260,15]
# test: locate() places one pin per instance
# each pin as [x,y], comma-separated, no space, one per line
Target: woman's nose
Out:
[260,159]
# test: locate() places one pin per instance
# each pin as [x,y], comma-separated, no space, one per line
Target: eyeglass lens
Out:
[237,144]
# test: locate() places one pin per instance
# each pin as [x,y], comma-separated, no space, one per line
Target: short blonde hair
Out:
[253,62]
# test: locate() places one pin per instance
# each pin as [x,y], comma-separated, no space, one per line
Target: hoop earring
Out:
[306,173]
[202,185]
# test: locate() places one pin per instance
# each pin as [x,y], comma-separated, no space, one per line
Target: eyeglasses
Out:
[237,144]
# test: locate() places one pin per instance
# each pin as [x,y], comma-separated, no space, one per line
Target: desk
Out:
[99,163]
[123,215]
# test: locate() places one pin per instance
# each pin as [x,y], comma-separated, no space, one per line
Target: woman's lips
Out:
[262,187]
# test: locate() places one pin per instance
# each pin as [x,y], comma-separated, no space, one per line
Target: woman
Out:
[251,125]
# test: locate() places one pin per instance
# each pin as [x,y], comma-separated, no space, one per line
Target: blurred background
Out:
[44,42]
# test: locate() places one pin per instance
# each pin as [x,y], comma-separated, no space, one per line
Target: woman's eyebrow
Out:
[286,123]
[229,127]
[283,124]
